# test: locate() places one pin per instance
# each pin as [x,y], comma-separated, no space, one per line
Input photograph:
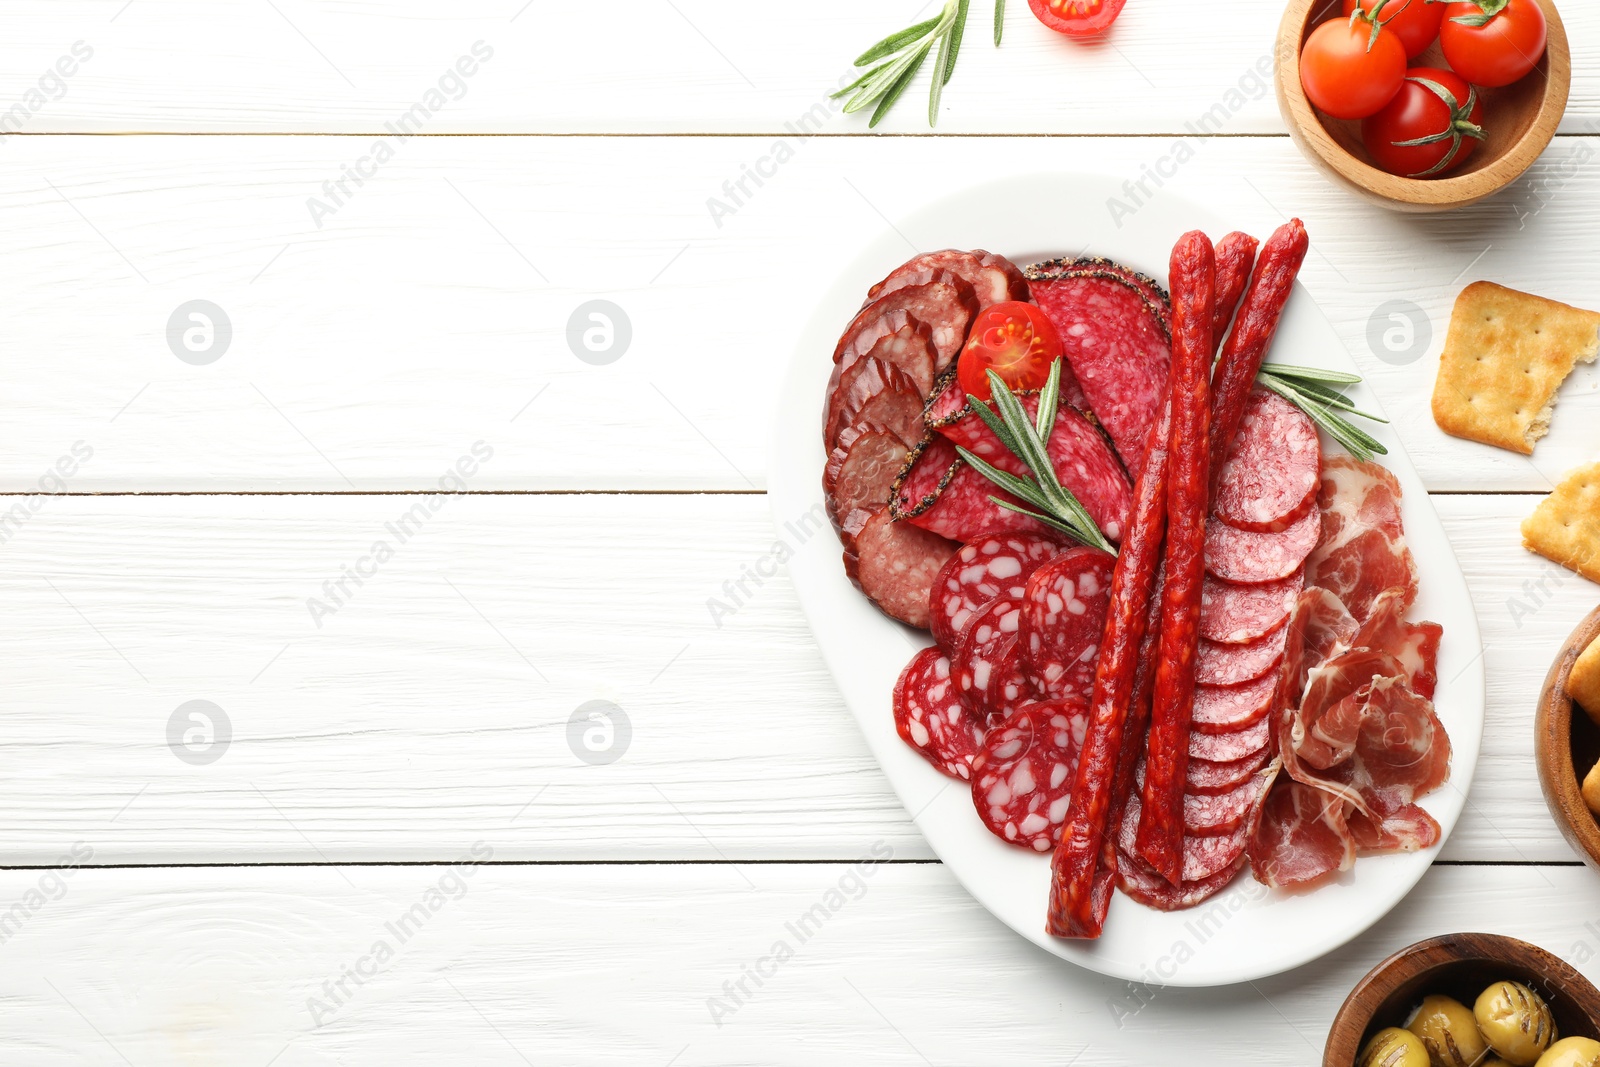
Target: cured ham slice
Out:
[1302,838]
[1362,552]
[1414,644]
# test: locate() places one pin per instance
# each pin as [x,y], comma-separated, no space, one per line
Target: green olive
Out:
[1449,1032]
[1571,1052]
[1393,1047]
[1516,1022]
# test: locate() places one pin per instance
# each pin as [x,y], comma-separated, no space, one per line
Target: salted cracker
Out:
[1565,527]
[1506,355]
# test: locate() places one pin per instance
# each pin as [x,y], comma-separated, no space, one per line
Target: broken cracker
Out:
[1506,355]
[1565,527]
[1583,683]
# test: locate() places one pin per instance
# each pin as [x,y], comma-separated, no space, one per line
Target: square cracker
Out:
[1565,527]
[1506,355]
[1583,684]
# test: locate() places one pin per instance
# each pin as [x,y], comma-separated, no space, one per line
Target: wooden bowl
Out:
[1460,966]
[1566,745]
[1520,120]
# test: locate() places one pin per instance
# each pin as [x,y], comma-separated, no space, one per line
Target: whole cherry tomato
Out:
[1493,42]
[1077,18]
[1351,67]
[1013,339]
[1430,127]
[1415,22]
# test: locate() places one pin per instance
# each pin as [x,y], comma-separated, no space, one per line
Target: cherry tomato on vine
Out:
[1493,42]
[1013,339]
[1351,67]
[1415,22]
[1430,127]
[1077,18]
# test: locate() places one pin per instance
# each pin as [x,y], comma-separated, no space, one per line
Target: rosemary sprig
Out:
[1319,394]
[893,63]
[1051,503]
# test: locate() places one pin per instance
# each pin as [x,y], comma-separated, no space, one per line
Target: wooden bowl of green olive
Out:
[1468,1000]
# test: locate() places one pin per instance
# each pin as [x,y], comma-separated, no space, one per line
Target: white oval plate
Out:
[1249,931]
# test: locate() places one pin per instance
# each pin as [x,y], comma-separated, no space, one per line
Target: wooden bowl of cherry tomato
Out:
[1423,106]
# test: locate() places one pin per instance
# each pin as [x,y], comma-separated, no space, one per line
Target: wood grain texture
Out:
[616,965]
[433,706]
[697,66]
[432,309]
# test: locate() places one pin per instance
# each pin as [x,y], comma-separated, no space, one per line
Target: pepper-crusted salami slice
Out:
[1237,664]
[1271,476]
[1238,614]
[1022,774]
[1193,277]
[976,663]
[1241,556]
[1236,254]
[994,278]
[1055,269]
[989,566]
[1253,330]
[861,470]
[928,470]
[931,719]
[944,304]
[1115,345]
[1063,618]
[1083,867]
[895,563]
[1226,709]
[949,412]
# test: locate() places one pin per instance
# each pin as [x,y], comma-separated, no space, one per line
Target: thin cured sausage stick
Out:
[1252,335]
[1236,254]
[1193,277]
[1081,877]
[1138,721]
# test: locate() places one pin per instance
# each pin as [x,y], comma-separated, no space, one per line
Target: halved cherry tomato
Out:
[1415,22]
[1350,67]
[1434,107]
[1493,42]
[1077,18]
[1013,339]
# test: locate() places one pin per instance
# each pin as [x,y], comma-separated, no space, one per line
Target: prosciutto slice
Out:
[1362,552]
[1302,837]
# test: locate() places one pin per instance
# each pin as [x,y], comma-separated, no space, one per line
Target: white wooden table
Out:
[165,910]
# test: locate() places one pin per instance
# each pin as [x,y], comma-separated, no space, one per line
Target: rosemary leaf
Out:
[889,75]
[858,83]
[1311,374]
[940,65]
[957,28]
[995,423]
[1098,541]
[1049,401]
[1030,448]
[896,41]
[999,20]
[1017,487]
[899,87]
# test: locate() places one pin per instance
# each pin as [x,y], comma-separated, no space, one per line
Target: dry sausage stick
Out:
[1252,335]
[1193,278]
[1236,254]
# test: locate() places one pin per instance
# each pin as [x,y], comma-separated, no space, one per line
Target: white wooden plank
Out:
[410,722]
[432,309]
[620,965]
[698,66]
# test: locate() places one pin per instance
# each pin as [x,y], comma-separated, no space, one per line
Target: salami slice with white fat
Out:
[1209,815]
[1231,748]
[994,279]
[944,304]
[1206,777]
[931,719]
[1022,775]
[1203,856]
[895,563]
[1238,614]
[977,663]
[1271,474]
[1228,709]
[860,471]
[1236,555]
[1143,885]
[988,566]
[1225,665]
[1115,343]
[1063,617]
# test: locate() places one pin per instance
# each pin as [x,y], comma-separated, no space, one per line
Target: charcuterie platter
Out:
[1002,734]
